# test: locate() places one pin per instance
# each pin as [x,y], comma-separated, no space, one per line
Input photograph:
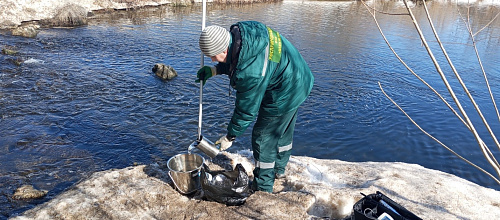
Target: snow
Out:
[313,188]
[13,12]
[17,11]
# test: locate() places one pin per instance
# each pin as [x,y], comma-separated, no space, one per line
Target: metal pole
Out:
[204,9]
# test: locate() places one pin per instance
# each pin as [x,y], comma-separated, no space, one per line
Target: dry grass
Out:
[70,15]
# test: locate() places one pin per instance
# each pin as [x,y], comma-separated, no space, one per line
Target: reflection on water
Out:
[85,98]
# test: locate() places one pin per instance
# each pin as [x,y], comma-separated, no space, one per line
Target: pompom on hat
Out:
[214,40]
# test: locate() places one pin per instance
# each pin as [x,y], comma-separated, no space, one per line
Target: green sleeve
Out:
[248,99]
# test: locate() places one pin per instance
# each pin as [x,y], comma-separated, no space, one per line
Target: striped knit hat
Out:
[214,40]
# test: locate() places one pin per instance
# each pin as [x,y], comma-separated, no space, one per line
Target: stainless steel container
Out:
[185,171]
[206,146]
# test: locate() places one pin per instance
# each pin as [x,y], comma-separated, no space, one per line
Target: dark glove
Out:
[204,73]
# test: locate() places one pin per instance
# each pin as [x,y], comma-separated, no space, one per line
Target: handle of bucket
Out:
[177,187]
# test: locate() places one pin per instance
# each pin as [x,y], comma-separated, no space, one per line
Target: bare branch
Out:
[415,74]
[430,87]
[469,29]
[452,93]
[463,84]
[486,152]
[435,139]
[486,24]
[382,12]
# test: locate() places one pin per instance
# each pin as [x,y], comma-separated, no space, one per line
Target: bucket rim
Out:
[170,169]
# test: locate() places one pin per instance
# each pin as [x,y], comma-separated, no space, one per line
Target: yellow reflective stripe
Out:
[274,45]
[263,165]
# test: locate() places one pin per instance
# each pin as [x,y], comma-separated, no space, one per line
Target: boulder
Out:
[29,30]
[28,192]
[16,60]
[163,71]
[8,50]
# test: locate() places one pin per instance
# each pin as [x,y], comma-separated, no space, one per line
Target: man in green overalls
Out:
[271,80]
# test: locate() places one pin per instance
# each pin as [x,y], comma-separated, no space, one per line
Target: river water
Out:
[85,99]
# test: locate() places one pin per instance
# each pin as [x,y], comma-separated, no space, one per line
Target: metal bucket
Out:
[184,170]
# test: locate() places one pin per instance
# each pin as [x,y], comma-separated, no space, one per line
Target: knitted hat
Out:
[214,40]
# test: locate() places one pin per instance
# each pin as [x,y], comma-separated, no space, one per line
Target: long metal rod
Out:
[204,9]
[200,114]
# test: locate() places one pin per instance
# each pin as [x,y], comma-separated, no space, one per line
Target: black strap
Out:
[235,48]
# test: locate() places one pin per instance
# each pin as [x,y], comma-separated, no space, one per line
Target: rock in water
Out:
[28,192]
[7,50]
[164,71]
[29,31]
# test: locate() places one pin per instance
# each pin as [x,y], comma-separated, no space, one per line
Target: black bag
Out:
[228,187]
[374,206]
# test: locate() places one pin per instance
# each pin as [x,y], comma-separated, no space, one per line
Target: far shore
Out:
[67,13]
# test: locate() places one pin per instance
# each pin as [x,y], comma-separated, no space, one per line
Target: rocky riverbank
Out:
[312,189]
[25,17]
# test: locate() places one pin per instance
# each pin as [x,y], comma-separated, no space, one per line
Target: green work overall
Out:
[271,80]
[272,139]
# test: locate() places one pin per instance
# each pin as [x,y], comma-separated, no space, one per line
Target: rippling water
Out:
[85,98]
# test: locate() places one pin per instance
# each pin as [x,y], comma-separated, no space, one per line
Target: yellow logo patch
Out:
[274,45]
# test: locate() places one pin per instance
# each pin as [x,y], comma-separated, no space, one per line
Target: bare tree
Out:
[461,114]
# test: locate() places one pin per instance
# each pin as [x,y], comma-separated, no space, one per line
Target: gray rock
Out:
[163,71]
[7,50]
[30,31]
[28,192]
[16,61]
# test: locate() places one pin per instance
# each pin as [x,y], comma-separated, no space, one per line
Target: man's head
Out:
[214,42]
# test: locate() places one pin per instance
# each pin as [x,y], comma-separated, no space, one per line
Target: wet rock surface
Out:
[8,50]
[29,31]
[163,71]
[26,192]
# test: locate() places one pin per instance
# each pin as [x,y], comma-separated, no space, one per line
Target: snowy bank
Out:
[313,188]
[13,12]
